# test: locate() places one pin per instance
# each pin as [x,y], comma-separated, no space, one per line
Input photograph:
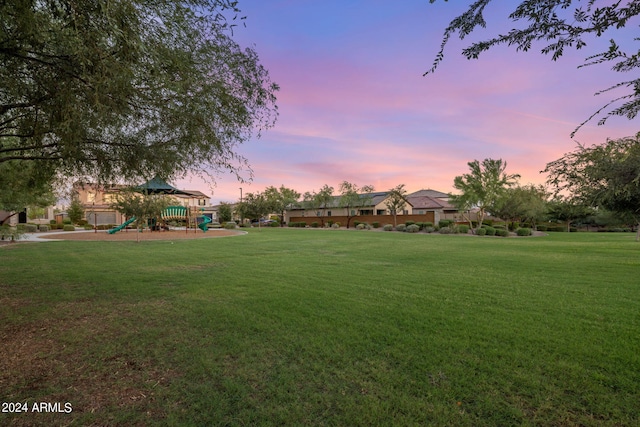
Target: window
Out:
[328,213]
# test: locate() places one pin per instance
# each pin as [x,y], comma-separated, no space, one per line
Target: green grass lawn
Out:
[324,327]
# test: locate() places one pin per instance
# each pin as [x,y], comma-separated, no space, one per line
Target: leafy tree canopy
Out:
[561,24]
[606,176]
[279,199]
[396,201]
[127,89]
[482,187]
[352,196]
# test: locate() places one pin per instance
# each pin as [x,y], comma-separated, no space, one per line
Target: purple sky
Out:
[354,105]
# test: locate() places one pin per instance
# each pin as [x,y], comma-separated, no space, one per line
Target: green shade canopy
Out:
[158,185]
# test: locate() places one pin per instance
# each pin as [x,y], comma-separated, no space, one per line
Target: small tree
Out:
[280,199]
[352,198]
[75,211]
[225,213]
[319,202]
[483,187]
[568,210]
[254,206]
[396,201]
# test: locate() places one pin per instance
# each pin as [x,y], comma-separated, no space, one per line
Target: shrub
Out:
[445,230]
[52,221]
[401,227]
[375,224]
[412,228]
[573,230]
[387,227]
[523,231]
[408,223]
[275,223]
[542,228]
[315,224]
[488,222]
[30,228]
[499,227]
[66,221]
[464,229]
[356,223]
[427,224]
[230,225]
[490,231]
[481,231]
[69,227]
[445,223]
[502,233]
[88,227]
[361,226]
[335,225]
[330,222]
[43,227]
[429,229]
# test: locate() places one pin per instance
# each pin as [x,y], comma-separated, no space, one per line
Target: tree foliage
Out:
[606,176]
[127,89]
[318,201]
[522,203]
[254,206]
[23,185]
[225,213]
[561,24]
[396,201]
[352,197]
[279,199]
[483,187]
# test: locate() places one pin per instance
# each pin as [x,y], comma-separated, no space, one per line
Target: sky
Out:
[354,104]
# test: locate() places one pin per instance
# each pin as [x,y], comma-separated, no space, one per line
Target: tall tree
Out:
[606,175]
[254,206]
[319,202]
[352,198]
[522,203]
[280,199]
[396,201]
[23,185]
[561,24]
[483,187]
[128,89]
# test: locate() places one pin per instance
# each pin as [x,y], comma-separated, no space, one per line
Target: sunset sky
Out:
[354,104]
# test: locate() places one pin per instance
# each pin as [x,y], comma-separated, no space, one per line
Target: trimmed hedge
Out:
[464,229]
[523,231]
[69,227]
[387,227]
[502,233]
[401,227]
[481,231]
[412,228]
[230,225]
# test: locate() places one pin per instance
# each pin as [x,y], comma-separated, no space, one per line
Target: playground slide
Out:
[205,221]
[120,227]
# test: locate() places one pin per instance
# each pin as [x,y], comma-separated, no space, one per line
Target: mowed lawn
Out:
[324,327]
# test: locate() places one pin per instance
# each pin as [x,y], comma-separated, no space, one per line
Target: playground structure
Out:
[192,217]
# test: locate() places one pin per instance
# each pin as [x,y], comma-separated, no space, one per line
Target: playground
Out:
[133,235]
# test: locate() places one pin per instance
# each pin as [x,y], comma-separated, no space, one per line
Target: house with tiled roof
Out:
[422,205]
